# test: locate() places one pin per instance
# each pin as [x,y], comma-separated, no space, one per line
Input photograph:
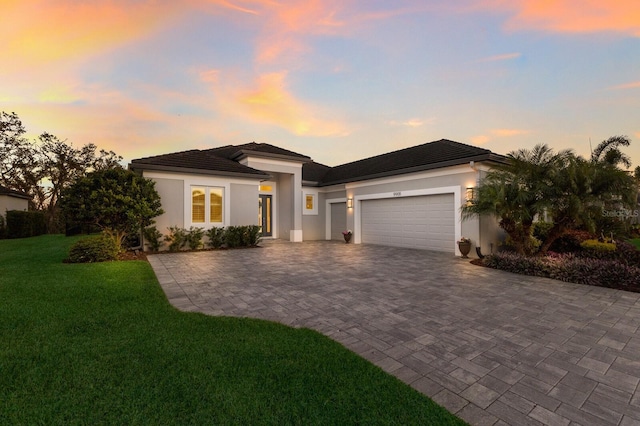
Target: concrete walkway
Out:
[491,347]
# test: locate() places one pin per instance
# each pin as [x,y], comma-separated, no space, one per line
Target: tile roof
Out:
[14,193]
[224,161]
[314,172]
[427,156]
[234,152]
[196,160]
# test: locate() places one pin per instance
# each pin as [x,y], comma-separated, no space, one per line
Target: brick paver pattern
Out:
[490,346]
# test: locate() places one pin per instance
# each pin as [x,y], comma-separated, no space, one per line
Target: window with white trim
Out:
[207,205]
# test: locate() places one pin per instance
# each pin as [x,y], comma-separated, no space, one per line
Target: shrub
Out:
[153,237]
[3,228]
[233,236]
[570,242]
[99,248]
[193,237]
[177,238]
[571,268]
[216,237]
[253,235]
[24,224]
[541,230]
[597,246]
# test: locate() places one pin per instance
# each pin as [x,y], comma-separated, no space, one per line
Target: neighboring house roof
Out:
[225,161]
[197,161]
[14,193]
[432,155]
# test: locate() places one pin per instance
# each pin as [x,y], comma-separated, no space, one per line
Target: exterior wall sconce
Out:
[349,203]
[469,195]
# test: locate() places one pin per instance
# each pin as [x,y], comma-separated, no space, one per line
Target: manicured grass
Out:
[99,344]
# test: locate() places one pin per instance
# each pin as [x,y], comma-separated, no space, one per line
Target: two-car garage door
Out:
[423,222]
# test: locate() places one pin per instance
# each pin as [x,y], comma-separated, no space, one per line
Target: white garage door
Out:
[425,222]
[338,220]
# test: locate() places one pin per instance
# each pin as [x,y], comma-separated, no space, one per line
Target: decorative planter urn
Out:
[465,248]
[347,238]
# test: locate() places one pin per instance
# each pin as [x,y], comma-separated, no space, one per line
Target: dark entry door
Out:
[264,215]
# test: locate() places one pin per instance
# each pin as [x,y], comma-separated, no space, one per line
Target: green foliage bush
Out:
[177,238]
[3,228]
[216,237]
[233,236]
[99,248]
[541,230]
[153,237]
[253,235]
[25,224]
[597,246]
[570,242]
[193,237]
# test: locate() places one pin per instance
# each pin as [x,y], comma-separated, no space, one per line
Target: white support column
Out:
[295,234]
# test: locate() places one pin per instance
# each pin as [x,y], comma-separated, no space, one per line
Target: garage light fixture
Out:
[349,203]
[469,195]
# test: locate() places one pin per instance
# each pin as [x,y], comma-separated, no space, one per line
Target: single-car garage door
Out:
[423,222]
[338,220]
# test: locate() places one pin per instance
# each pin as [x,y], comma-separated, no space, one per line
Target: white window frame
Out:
[207,185]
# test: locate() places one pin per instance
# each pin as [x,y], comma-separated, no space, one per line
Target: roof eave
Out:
[142,166]
[244,153]
[491,157]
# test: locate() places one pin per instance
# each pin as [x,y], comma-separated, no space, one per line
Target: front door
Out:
[264,215]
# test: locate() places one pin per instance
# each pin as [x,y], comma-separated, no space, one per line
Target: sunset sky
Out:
[337,80]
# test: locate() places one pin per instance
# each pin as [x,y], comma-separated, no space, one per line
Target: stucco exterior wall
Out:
[244,204]
[313,225]
[12,203]
[171,193]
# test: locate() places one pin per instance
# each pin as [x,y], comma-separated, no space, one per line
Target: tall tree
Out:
[44,168]
[20,168]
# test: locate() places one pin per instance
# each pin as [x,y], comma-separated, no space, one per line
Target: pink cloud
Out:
[632,85]
[570,16]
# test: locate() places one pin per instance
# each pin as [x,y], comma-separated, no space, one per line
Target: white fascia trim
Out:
[261,160]
[332,188]
[327,215]
[457,203]
[190,176]
[454,170]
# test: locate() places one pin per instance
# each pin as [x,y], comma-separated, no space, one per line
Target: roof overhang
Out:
[246,153]
[491,158]
[142,166]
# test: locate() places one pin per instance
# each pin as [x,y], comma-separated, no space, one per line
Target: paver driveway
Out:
[491,347]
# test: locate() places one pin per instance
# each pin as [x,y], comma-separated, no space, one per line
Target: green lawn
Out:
[99,344]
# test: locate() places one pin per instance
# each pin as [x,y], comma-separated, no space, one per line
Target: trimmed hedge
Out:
[610,273]
[25,224]
[99,248]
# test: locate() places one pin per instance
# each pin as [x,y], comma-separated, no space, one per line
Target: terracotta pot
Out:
[465,248]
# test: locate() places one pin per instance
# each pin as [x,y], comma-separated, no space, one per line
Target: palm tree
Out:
[518,191]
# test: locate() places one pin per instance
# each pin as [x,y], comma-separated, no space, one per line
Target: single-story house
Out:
[407,198]
[13,200]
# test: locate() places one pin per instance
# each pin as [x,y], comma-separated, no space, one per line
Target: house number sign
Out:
[397,194]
